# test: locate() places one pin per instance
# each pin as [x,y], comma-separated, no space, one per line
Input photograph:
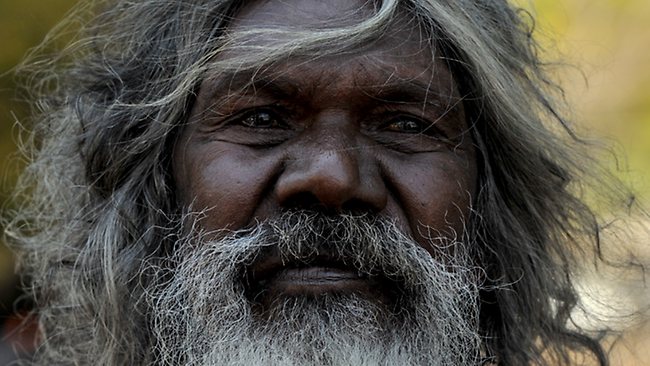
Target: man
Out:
[303,182]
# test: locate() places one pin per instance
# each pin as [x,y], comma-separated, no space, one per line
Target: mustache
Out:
[304,238]
[371,245]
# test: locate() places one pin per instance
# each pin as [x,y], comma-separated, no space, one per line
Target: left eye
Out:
[261,119]
[406,126]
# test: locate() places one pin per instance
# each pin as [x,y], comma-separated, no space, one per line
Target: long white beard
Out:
[203,314]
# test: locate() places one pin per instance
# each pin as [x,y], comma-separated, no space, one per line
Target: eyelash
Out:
[408,125]
[420,126]
[247,119]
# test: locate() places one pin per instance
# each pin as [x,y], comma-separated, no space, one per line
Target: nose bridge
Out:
[332,169]
[329,132]
[334,161]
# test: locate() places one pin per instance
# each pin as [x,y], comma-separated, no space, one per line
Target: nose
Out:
[332,173]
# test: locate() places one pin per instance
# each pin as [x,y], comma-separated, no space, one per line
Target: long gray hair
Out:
[99,198]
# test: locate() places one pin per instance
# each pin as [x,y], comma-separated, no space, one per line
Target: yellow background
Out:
[607,45]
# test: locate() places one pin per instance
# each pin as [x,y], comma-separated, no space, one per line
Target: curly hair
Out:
[99,196]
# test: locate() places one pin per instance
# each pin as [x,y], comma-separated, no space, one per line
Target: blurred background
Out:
[607,44]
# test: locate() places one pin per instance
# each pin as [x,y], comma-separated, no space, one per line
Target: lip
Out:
[316,275]
[315,280]
[321,275]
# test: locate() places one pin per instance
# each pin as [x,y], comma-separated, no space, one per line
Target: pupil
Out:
[409,126]
[260,119]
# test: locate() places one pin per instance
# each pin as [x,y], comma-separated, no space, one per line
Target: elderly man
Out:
[303,182]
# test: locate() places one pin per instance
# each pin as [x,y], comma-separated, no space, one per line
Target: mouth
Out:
[321,275]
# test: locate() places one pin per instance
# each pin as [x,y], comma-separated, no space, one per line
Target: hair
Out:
[98,195]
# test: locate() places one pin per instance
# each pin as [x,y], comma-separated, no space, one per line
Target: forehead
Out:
[396,54]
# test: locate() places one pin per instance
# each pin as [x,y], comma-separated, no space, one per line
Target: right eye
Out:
[261,119]
[407,125]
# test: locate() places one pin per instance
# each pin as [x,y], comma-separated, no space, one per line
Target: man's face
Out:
[334,192]
[381,131]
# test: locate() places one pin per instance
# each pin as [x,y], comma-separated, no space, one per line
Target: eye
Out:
[261,119]
[407,125]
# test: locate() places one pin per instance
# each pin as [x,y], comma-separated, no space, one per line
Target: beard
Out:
[209,309]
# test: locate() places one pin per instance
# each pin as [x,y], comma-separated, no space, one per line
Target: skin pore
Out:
[381,131]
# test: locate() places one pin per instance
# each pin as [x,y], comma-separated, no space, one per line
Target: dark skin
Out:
[381,132]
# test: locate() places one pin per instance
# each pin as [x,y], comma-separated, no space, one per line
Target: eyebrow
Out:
[397,91]
[237,83]
[410,92]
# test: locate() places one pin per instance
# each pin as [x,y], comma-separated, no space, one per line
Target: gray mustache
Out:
[296,238]
[371,245]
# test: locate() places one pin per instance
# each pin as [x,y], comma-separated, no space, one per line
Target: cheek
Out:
[434,190]
[226,180]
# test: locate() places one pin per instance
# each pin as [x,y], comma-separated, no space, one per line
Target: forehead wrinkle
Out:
[378,78]
[412,90]
[391,73]
[234,84]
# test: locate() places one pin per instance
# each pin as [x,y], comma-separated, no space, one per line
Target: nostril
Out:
[308,201]
[303,201]
[358,207]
